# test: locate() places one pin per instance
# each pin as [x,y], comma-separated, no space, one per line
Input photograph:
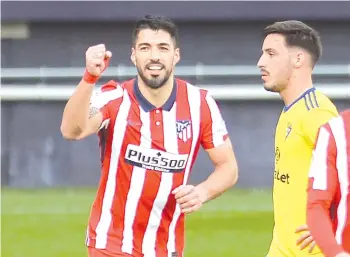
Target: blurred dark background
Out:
[43,48]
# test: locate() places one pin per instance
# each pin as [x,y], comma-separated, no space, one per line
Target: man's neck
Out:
[157,97]
[295,89]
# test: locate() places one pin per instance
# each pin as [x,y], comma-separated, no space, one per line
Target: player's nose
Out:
[155,55]
[261,63]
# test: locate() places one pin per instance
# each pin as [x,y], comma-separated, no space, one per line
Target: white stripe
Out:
[337,126]
[99,98]
[318,167]
[136,186]
[188,129]
[184,134]
[87,239]
[118,137]
[218,125]
[170,145]
[195,105]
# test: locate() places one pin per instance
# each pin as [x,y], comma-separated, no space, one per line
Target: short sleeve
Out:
[101,99]
[313,121]
[213,127]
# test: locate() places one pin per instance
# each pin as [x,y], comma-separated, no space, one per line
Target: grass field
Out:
[52,223]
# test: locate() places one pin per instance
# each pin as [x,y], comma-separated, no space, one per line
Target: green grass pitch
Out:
[52,223]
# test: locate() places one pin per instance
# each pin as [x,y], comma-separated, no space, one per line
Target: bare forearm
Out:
[76,111]
[223,178]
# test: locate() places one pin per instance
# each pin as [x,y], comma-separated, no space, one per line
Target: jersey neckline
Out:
[287,107]
[147,106]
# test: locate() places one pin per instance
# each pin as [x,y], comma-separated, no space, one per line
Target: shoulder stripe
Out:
[315,98]
[310,100]
[306,103]
[311,103]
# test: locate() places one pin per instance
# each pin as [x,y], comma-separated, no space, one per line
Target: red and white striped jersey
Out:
[329,187]
[146,152]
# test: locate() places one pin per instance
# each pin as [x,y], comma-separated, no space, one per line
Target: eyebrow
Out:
[268,50]
[160,44]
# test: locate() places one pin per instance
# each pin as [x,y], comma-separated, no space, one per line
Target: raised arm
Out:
[80,118]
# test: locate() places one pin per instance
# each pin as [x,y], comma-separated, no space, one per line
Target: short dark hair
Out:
[298,34]
[156,23]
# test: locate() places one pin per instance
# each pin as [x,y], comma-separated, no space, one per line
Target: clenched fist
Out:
[190,198]
[97,59]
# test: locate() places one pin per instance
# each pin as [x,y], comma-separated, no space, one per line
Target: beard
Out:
[278,84]
[155,81]
[272,88]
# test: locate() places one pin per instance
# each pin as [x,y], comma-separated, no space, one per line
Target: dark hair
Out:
[156,23]
[297,33]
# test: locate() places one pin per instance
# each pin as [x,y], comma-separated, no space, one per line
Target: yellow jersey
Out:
[294,142]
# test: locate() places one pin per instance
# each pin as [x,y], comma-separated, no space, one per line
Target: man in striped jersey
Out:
[329,185]
[150,130]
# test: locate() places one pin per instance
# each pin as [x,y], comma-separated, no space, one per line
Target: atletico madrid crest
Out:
[184,130]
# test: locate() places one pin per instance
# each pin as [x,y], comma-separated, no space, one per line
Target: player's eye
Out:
[163,48]
[143,48]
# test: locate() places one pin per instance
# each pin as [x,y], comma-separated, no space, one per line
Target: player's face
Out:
[275,63]
[155,56]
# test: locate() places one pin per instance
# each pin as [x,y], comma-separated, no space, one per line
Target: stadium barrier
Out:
[53,92]
[226,92]
[198,70]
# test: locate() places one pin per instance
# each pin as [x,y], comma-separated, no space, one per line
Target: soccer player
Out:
[329,188]
[150,129]
[289,53]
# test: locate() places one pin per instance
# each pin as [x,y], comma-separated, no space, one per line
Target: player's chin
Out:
[269,87]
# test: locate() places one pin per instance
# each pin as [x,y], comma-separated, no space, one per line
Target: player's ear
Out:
[132,57]
[176,56]
[299,59]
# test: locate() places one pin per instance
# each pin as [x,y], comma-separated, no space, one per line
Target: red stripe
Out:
[110,85]
[182,113]
[151,183]
[346,234]
[206,134]
[186,148]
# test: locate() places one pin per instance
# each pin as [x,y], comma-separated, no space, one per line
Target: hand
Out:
[305,239]
[189,197]
[97,59]
[343,254]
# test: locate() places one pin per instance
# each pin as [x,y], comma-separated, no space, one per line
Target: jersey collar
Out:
[287,107]
[147,106]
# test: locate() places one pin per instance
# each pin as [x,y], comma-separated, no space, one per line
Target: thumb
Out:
[301,228]
[108,54]
[107,59]
[178,189]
